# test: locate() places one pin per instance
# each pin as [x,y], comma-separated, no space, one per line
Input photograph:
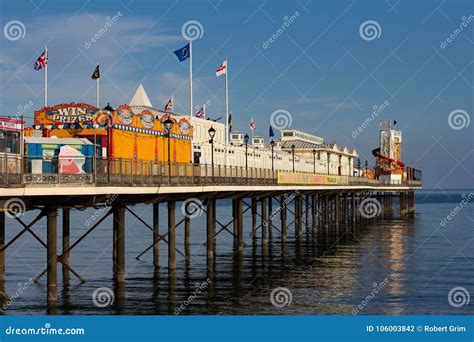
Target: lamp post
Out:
[358,167]
[366,169]
[168,123]
[246,140]
[314,161]
[328,156]
[212,134]
[272,144]
[293,156]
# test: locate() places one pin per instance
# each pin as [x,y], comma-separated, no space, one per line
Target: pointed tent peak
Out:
[140,98]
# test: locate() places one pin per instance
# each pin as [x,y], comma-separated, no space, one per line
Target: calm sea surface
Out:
[393,266]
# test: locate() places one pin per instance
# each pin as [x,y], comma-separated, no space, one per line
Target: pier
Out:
[318,202]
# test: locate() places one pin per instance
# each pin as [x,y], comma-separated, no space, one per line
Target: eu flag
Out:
[183,53]
[270,133]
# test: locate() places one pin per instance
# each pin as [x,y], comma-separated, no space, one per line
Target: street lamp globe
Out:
[212,132]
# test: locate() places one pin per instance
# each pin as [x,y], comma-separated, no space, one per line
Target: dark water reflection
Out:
[411,265]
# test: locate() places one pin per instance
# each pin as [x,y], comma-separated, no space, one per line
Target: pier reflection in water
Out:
[328,270]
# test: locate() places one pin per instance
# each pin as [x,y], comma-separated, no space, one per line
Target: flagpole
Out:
[226,103]
[98,103]
[46,78]
[190,78]
[226,110]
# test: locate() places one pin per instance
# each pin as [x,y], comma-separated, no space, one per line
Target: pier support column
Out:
[403,205]
[240,226]
[264,227]
[307,212]
[297,216]
[187,238]
[235,222]
[2,256]
[411,202]
[120,261]
[171,236]
[156,234]
[346,208]
[353,208]
[66,240]
[313,211]
[336,210]
[326,210]
[210,234]
[283,219]
[52,253]
[114,238]
[214,215]
[253,209]
[270,218]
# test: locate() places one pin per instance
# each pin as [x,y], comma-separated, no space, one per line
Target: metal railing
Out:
[74,170]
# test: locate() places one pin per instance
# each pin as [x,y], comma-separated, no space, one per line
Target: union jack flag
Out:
[42,61]
[201,113]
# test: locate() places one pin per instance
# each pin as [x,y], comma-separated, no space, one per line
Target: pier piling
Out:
[307,212]
[210,234]
[270,218]
[263,203]
[114,237]
[297,216]
[187,238]
[2,256]
[283,219]
[120,260]
[253,209]
[66,240]
[411,202]
[240,225]
[403,205]
[52,214]
[171,236]
[156,234]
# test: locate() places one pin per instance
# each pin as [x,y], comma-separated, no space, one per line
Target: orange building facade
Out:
[129,132]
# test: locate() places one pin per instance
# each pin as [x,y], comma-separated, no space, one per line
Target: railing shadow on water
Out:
[80,170]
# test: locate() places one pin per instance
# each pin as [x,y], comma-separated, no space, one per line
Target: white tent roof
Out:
[140,98]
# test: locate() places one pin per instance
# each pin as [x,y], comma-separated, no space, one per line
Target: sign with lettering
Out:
[10,124]
[66,113]
[310,179]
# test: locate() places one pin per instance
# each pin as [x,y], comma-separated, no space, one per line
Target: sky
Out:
[331,68]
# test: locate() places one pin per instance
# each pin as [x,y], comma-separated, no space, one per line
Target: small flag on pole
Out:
[271,133]
[96,73]
[222,69]
[41,61]
[183,53]
[169,105]
[252,125]
[201,113]
[230,122]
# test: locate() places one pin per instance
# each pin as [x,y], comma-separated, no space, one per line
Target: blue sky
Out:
[319,69]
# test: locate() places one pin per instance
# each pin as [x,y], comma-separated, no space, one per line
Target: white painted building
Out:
[259,153]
